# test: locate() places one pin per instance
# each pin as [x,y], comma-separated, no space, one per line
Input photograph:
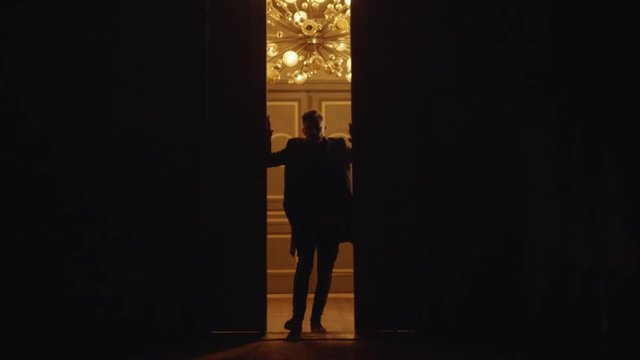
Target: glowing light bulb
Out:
[299,77]
[272,74]
[290,58]
[348,2]
[300,16]
[272,49]
[342,23]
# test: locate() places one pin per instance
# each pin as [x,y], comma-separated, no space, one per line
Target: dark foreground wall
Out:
[134,193]
[504,210]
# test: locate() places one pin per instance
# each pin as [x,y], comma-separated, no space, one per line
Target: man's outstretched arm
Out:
[277,158]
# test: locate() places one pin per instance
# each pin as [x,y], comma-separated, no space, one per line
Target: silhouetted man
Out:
[317,202]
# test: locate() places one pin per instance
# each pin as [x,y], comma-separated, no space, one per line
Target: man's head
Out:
[313,125]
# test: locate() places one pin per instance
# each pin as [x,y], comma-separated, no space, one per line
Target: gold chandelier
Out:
[308,36]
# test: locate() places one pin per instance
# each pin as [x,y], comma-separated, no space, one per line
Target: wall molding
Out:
[280,281]
[278,221]
[317,86]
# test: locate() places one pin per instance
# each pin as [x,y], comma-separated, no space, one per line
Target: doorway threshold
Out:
[330,335]
[338,316]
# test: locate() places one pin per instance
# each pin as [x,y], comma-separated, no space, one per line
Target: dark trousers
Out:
[310,239]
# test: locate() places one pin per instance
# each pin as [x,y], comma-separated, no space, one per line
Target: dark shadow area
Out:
[120,218]
[389,346]
[506,219]
[221,345]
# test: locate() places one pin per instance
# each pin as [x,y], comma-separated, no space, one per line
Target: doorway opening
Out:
[308,56]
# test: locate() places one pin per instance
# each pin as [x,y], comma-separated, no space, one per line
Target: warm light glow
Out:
[290,58]
[299,77]
[348,2]
[272,74]
[342,24]
[306,37]
[300,16]
[272,49]
[309,27]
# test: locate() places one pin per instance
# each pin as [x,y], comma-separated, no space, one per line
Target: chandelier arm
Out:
[309,72]
[301,47]
[329,37]
[286,41]
[295,5]
[320,51]
[333,33]
[286,7]
[316,50]
[307,54]
[338,53]
[301,63]
[325,22]
[287,24]
[285,49]
[319,14]
[344,9]
[289,45]
[279,54]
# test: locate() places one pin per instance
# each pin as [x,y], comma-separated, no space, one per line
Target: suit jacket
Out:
[317,185]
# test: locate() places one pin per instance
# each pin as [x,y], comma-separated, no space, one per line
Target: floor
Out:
[337,349]
[392,348]
[337,317]
[342,343]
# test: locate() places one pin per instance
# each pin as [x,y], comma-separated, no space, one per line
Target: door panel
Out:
[234,298]
[284,112]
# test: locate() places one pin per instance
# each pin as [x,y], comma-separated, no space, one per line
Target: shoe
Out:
[317,327]
[294,336]
[293,325]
